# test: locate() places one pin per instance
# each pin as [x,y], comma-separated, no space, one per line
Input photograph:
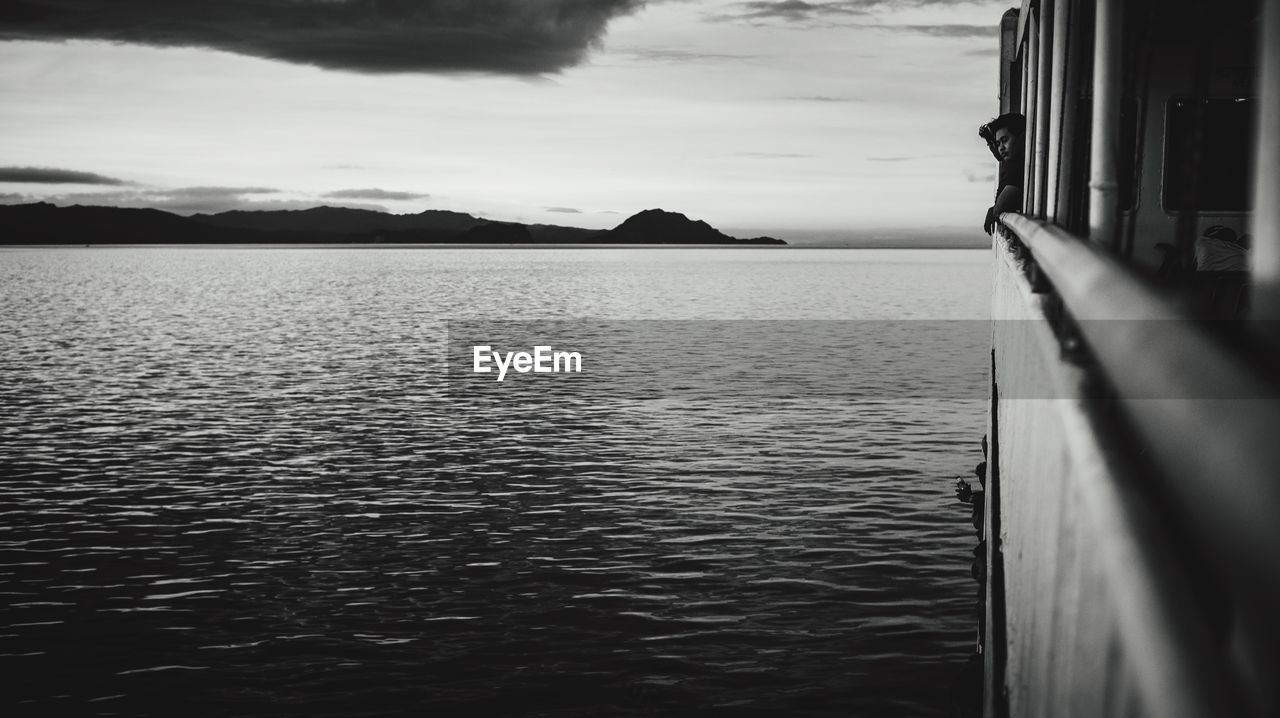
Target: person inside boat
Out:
[1219,250]
[1005,138]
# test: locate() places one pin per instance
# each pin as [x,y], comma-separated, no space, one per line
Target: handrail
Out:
[1161,638]
[1209,418]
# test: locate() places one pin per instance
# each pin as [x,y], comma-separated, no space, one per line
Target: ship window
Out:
[1218,179]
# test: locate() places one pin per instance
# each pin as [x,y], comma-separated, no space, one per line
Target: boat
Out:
[1131,511]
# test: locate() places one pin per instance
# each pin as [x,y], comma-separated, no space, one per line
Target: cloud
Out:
[199,192]
[669,55]
[980,177]
[200,199]
[793,10]
[178,203]
[890,159]
[958,31]
[770,155]
[983,52]
[823,98]
[190,200]
[803,12]
[186,200]
[373,193]
[50,175]
[521,37]
[566,210]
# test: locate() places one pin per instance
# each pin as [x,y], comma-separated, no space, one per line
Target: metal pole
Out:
[1069,211]
[1104,151]
[1045,113]
[1023,54]
[1059,100]
[1030,97]
[1266,184]
[1009,82]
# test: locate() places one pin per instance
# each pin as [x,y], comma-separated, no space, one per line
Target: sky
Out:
[805,115]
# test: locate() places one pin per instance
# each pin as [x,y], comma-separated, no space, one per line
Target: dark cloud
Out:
[984,52]
[50,175]
[373,193]
[523,37]
[566,210]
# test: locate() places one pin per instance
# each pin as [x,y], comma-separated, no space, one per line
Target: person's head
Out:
[1004,135]
[1222,234]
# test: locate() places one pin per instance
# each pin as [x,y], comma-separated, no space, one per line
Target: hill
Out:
[44,223]
[657,226]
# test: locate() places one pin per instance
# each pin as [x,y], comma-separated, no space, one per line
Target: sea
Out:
[241,481]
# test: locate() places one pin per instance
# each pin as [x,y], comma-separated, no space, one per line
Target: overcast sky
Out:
[841,115]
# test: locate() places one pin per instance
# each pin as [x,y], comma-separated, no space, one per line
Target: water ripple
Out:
[233,483]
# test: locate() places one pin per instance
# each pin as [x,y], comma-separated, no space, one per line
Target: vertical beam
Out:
[1072,35]
[1044,109]
[1058,100]
[1024,77]
[1010,78]
[1257,649]
[1104,185]
[1032,69]
[1266,183]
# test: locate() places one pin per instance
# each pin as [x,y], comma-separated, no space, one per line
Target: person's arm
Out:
[1009,199]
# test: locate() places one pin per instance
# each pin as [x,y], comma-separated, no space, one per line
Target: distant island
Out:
[44,223]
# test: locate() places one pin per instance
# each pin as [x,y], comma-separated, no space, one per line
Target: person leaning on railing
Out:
[1005,138]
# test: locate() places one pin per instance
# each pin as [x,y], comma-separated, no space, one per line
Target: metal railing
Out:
[1204,410]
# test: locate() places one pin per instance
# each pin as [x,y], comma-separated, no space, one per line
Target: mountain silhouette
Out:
[44,223]
[497,233]
[657,226]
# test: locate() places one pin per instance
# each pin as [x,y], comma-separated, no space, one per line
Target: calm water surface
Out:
[233,483]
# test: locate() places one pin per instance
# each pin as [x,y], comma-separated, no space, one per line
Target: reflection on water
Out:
[233,484]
